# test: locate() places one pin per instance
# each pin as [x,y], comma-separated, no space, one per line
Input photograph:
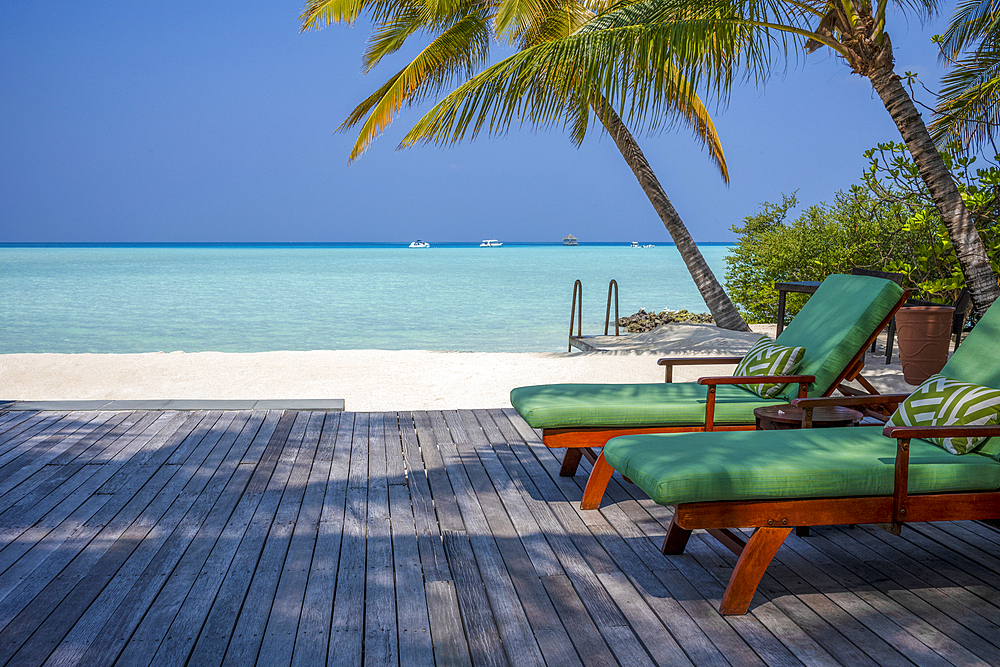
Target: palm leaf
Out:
[515,17]
[969,105]
[554,82]
[970,100]
[390,36]
[974,20]
[562,19]
[321,13]
[458,51]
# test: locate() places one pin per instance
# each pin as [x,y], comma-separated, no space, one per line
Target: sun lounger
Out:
[772,481]
[835,327]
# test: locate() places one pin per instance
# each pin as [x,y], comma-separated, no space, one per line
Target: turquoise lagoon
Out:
[258,298]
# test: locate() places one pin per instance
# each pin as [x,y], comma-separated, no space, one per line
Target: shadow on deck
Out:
[278,537]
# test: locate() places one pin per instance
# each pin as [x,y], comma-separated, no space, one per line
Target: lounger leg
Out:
[750,568]
[676,539]
[596,484]
[570,462]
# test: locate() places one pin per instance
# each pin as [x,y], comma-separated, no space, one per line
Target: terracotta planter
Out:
[923,333]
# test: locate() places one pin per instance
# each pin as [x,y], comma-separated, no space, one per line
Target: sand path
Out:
[367,380]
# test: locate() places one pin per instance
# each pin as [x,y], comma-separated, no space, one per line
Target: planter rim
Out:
[928,308]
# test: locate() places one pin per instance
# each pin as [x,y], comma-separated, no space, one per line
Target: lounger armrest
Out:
[713,382]
[903,434]
[697,361]
[758,379]
[670,362]
[851,401]
[899,432]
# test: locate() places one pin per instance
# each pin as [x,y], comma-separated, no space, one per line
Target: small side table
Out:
[773,417]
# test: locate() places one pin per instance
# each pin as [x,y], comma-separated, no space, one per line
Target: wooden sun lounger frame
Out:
[772,521]
[580,441]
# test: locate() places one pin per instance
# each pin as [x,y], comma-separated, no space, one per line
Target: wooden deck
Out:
[286,537]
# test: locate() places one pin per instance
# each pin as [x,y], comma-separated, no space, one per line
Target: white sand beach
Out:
[369,380]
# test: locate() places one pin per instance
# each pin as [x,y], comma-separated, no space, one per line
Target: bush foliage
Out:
[888,222]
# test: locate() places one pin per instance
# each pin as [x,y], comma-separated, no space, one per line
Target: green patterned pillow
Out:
[941,401]
[766,357]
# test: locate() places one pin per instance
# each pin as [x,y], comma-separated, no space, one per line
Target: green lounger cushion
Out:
[784,465]
[977,360]
[632,405]
[832,327]
[834,324]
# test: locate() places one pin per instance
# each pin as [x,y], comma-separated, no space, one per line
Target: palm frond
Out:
[390,36]
[457,52]
[973,21]
[442,13]
[970,100]
[563,18]
[321,13]
[578,120]
[745,35]
[687,104]
[548,85]
[515,17]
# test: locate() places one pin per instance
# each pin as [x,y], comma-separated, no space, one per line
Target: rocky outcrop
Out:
[642,321]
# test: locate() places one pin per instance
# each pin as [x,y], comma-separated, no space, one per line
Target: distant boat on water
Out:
[490,243]
[570,240]
[420,244]
[635,244]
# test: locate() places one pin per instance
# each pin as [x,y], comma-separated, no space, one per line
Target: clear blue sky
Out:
[214,122]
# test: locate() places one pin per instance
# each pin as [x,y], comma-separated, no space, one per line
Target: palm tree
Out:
[462,33]
[623,55]
[969,108]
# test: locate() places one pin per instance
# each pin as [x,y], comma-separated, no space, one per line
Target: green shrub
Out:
[821,241]
[886,223]
[929,260]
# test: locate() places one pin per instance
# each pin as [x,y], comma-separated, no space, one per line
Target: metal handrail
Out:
[607,311]
[576,311]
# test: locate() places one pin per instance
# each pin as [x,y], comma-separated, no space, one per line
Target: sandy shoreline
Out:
[367,380]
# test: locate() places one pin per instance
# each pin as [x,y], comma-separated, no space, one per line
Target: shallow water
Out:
[264,298]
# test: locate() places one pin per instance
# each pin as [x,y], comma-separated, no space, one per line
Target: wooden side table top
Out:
[788,416]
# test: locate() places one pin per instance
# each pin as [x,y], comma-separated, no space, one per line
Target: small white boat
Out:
[420,244]
[635,244]
[650,245]
[490,243]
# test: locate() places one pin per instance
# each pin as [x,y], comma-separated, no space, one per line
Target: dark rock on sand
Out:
[642,321]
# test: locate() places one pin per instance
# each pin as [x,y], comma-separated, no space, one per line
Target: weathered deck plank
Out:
[447,538]
[347,626]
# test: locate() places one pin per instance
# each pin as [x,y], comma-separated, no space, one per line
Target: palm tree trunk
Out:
[718,302]
[968,245]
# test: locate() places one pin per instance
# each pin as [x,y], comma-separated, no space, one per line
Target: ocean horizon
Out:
[324,244]
[262,297]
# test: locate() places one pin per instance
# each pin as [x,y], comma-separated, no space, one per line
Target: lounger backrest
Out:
[835,323]
[977,360]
